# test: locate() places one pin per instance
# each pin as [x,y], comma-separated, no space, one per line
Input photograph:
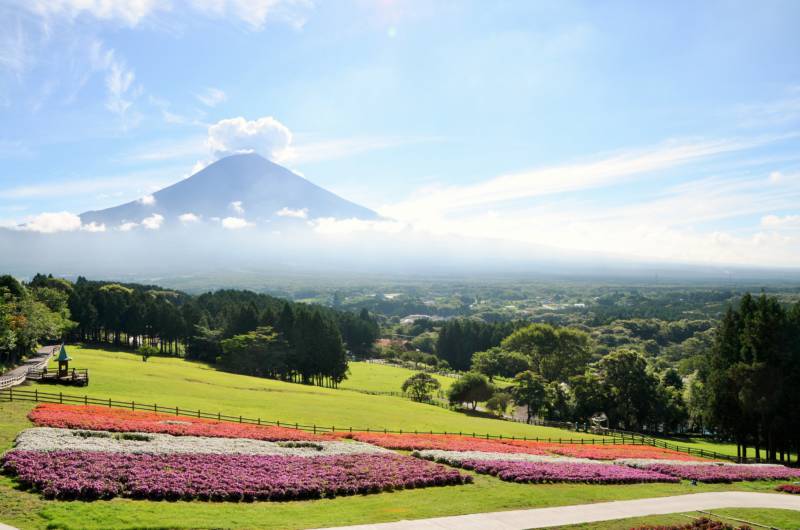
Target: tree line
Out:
[749,386]
[240,331]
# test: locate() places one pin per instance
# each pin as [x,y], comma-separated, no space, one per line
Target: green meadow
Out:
[171,381]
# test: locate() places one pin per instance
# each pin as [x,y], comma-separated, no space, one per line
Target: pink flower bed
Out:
[725,473]
[445,442]
[519,471]
[97,418]
[96,475]
[789,488]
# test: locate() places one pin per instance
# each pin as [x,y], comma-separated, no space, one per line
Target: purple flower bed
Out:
[725,473]
[521,471]
[96,475]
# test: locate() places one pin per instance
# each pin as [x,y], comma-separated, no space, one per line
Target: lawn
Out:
[27,510]
[175,382]
[383,377]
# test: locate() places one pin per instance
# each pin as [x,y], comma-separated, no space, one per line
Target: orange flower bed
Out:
[613,452]
[97,418]
[445,442]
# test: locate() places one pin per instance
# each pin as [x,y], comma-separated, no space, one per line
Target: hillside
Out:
[172,381]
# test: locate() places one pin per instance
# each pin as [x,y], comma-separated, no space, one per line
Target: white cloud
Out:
[94,227]
[132,13]
[436,201]
[153,222]
[775,177]
[148,200]
[301,213]
[189,218]
[776,222]
[128,12]
[265,136]
[333,226]
[211,97]
[235,223]
[127,226]
[51,222]
[255,13]
[120,90]
[237,207]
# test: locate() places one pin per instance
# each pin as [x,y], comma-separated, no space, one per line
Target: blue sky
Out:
[660,130]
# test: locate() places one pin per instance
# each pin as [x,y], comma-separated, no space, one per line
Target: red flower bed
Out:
[703,523]
[613,452]
[789,488]
[98,418]
[445,442]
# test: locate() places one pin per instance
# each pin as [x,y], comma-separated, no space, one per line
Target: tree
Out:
[146,351]
[260,352]
[499,403]
[672,378]
[555,353]
[499,362]
[529,392]
[470,388]
[421,386]
[630,388]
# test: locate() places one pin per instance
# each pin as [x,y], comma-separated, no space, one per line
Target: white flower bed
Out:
[456,457]
[50,439]
[644,462]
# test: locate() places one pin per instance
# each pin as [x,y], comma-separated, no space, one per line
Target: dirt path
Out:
[588,513]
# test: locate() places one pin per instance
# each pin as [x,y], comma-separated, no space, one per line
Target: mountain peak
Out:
[243,185]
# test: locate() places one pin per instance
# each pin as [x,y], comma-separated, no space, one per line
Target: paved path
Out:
[38,361]
[588,513]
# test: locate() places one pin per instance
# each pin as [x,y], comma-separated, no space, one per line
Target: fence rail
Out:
[614,438]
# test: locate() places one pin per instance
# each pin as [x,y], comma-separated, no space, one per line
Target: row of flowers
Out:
[445,442]
[95,475]
[98,418]
[454,458]
[724,473]
[789,488]
[412,442]
[52,439]
[545,472]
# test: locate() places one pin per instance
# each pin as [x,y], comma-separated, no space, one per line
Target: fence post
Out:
[315,428]
[133,405]
[36,395]
[11,393]
[109,402]
[61,398]
[85,399]
[176,411]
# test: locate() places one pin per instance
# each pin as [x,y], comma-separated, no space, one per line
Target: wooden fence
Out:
[613,438]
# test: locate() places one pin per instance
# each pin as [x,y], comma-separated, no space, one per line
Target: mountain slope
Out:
[246,186]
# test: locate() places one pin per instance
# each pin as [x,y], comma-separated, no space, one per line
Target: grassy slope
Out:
[125,375]
[383,378]
[171,382]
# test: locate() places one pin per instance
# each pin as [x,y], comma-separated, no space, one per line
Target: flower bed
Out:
[613,452]
[543,472]
[52,439]
[704,523]
[93,475]
[97,418]
[445,442]
[454,458]
[789,488]
[724,473]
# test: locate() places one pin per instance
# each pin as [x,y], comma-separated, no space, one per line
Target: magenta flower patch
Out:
[542,472]
[216,477]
